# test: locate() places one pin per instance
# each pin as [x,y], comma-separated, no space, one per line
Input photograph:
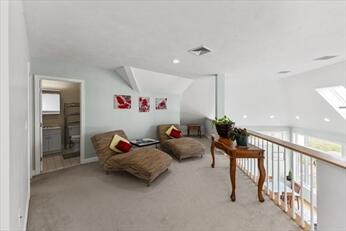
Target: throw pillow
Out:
[175,133]
[168,132]
[123,146]
[115,141]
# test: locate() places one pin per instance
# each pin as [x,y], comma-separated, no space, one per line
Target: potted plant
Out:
[241,136]
[224,126]
[289,176]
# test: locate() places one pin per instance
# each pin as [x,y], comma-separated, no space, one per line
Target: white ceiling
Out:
[248,39]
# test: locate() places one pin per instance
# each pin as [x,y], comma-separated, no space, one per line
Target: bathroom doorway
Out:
[58,123]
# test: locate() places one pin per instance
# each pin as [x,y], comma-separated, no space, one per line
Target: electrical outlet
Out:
[20,217]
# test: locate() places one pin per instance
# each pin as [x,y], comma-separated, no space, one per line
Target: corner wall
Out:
[198,101]
[331,200]
[15,184]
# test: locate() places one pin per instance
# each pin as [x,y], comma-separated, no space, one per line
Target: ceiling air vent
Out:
[201,50]
[325,57]
[283,72]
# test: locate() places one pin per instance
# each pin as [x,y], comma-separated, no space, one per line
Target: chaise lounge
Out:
[181,148]
[144,163]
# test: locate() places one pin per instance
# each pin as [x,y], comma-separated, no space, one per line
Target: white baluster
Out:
[256,161]
[278,196]
[311,195]
[285,181]
[293,183]
[247,166]
[267,167]
[301,191]
[272,171]
[254,165]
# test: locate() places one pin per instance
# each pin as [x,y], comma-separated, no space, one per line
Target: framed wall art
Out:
[144,104]
[161,103]
[122,101]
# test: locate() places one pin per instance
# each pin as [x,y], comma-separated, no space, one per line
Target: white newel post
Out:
[331,197]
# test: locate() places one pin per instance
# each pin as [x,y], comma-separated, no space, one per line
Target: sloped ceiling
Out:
[148,81]
[127,75]
[304,101]
[288,98]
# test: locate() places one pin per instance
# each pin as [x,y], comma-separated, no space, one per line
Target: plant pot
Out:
[288,178]
[242,140]
[224,129]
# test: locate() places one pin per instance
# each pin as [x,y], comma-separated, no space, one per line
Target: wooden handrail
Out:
[303,150]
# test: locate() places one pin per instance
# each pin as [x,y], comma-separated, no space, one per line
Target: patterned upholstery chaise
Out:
[181,148]
[144,163]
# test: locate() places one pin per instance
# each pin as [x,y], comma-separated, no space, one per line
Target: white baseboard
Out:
[89,160]
[26,215]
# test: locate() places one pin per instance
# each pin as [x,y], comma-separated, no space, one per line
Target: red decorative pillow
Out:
[123,146]
[175,133]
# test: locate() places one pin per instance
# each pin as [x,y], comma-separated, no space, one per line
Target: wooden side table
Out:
[234,152]
[194,127]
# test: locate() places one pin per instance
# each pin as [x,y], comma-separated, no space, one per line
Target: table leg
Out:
[212,149]
[261,179]
[232,172]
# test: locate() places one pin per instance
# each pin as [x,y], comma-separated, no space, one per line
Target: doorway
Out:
[59,123]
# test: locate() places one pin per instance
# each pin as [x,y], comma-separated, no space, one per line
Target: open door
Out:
[38,126]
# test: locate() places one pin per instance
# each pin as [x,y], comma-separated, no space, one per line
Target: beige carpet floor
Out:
[190,196]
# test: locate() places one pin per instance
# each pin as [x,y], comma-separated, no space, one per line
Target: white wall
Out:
[198,101]
[18,190]
[258,99]
[331,199]
[4,118]
[100,86]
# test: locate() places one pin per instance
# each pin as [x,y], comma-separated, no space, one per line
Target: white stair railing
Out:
[295,196]
[330,184]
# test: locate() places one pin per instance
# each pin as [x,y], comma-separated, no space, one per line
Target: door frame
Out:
[38,114]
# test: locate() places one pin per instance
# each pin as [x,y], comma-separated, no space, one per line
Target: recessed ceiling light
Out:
[326,57]
[175,61]
[297,117]
[283,72]
[244,116]
[272,116]
[326,119]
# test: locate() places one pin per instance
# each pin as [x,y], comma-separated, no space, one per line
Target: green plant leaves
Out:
[222,121]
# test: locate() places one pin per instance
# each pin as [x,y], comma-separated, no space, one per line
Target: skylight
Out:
[336,97]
